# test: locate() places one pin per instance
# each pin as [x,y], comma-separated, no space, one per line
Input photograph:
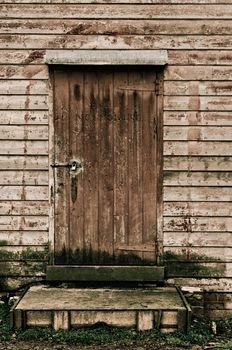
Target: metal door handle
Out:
[71,165]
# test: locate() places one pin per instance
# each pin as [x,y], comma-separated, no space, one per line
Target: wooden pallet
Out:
[64,308]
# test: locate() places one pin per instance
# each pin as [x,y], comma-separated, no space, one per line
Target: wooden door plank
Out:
[90,134]
[121,223]
[76,241]
[135,105]
[62,183]
[105,158]
[149,163]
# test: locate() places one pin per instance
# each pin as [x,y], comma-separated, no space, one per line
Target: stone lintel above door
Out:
[107,57]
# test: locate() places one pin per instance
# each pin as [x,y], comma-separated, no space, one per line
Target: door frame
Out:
[158,66]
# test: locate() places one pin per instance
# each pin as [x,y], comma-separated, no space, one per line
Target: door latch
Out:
[73,166]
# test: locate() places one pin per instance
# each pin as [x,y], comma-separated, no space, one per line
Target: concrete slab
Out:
[49,298]
[62,308]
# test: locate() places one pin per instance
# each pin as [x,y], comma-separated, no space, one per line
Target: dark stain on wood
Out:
[77,92]
[34,55]
[74,185]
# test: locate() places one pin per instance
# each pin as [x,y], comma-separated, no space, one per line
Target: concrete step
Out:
[64,308]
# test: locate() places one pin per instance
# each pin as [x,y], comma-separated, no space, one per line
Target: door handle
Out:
[71,165]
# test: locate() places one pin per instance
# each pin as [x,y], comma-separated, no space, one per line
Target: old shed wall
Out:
[197,124]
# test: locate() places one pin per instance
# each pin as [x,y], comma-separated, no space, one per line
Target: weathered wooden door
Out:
[107,121]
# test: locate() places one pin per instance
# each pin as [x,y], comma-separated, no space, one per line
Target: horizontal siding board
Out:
[202,224]
[30,223]
[196,88]
[35,42]
[197,118]
[24,72]
[198,73]
[175,57]
[135,2]
[24,162]
[24,132]
[198,239]
[23,117]
[197,148]
[198,209]
[24,238]
[213,269]
[198,133]
[18,253]
[199,103]
[24,208]
[23,177]
[22,147]
[175,178]
[23,193]
[197,194]
[114,27]
[197,163]
[223,254]
[24,102]
[116,11]
[200,57]
[23,87]
[22,269]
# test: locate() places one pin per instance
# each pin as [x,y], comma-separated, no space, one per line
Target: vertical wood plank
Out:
[62,182]
[91,146]
[135,118]
[76,242]
[106,170]
[121,224]
[149,162]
